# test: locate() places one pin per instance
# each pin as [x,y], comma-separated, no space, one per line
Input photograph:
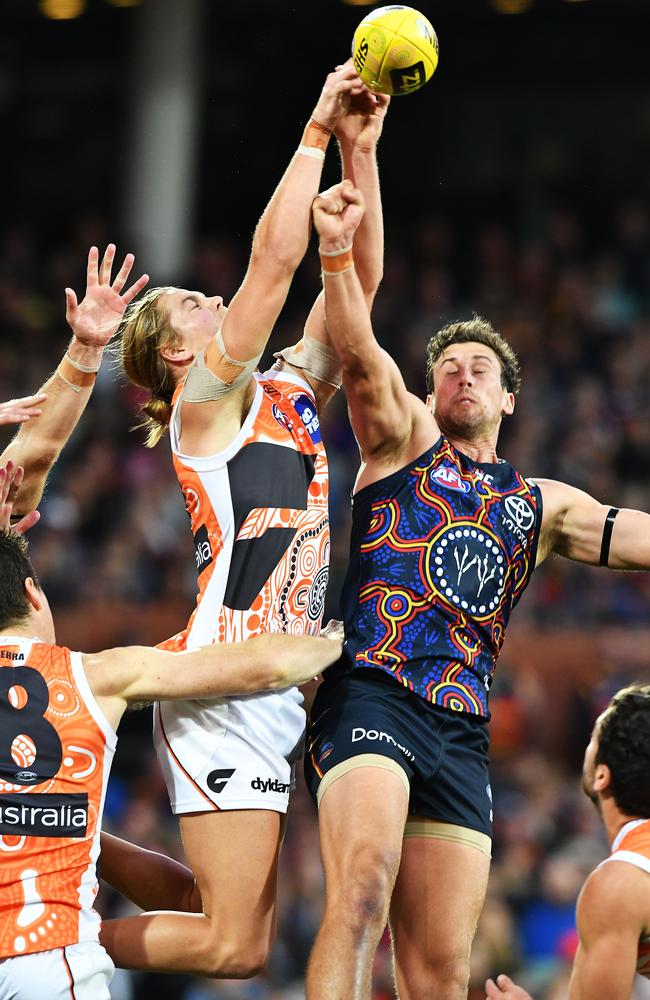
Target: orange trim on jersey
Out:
[69,971]
[189,777]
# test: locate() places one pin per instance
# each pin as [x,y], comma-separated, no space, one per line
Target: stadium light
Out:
[62,10]
[511,6]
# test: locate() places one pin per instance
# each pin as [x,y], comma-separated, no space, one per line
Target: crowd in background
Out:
[572,298]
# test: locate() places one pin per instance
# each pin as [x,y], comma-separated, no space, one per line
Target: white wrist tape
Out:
[313,151]
[80,367]
[316,359]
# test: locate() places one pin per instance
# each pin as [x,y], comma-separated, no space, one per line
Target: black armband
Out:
[607,536]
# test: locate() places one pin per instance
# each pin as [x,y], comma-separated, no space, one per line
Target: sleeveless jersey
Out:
[259,516]
[56,751]
[441,552]
[632,844]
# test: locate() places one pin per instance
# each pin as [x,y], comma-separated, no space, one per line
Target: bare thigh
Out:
[234,857]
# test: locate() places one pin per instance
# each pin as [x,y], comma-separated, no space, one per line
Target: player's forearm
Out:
[282,234]
[360,166]
[348,321]
[150,880]
[39,442]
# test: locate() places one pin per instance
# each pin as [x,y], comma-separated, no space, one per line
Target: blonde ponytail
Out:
[145,329]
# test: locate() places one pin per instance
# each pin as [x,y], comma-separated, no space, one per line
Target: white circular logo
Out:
[469,569]
[521,512]
[317,595]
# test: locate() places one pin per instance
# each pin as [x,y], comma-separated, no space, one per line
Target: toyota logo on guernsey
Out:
[447,475]
[521,512]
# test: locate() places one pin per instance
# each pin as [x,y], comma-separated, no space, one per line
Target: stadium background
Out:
[515,184]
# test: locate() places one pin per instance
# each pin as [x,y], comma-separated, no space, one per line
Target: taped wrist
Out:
[336,261]
[315,139]
[78,379]
[314,358]
[205,383]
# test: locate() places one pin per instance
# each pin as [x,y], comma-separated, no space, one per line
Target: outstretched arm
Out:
[136,674]
[574,525]
[382,411]
[64,395]
[357,132]
[282,233]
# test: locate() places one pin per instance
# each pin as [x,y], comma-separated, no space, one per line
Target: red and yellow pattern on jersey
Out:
[56,750]
[632,845]
[259,516]
[441,552]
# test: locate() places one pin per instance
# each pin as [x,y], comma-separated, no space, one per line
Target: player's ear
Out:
[177,354]
[430,401]
[508,404]
[33,594]
[602,778]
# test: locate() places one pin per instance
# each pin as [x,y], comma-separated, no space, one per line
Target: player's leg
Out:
[362,812]
[234,857]
[437,900]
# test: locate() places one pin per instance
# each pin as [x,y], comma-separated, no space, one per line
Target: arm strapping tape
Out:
[607,536]
[203,384]
[314,358]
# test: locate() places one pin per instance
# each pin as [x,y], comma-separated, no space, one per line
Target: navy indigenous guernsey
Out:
[441,552]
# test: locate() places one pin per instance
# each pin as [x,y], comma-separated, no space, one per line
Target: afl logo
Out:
[446,475]
[26,777]
[192,501]
[317,595]
[520,511]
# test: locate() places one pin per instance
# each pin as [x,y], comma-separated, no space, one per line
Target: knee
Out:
[446,978]
[231,959]
[364,894]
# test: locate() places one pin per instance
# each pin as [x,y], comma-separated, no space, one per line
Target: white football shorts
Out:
[231,753]
[82,971]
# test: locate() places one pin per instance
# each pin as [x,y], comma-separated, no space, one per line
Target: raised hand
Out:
[11,478]
[505,989]
[339,89]
[337,213]
[17,411]
[97,317]
[363,120]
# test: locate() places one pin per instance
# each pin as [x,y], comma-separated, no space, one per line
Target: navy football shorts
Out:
[444,754]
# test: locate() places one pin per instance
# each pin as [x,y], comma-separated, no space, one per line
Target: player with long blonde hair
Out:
[250,460]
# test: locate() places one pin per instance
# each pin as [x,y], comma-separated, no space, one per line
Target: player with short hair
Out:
[59,710]
[613,912]
[445,537]
[250,460]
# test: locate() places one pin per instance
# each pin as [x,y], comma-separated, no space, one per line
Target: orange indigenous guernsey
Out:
[56,750]
[633,846]
[259,516]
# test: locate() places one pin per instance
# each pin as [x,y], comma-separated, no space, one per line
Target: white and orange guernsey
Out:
[56,750]
[632,845]
[259,517]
